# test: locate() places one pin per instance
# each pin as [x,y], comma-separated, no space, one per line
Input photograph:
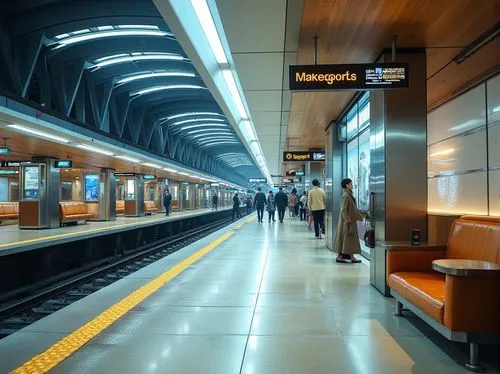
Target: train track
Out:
[21,312]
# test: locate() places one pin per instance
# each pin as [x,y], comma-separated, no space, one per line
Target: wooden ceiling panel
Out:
[357,31]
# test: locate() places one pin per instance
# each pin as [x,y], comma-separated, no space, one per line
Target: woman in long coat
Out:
[347,240]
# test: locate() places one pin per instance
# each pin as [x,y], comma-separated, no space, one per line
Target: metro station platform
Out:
[250,298]
[14,240]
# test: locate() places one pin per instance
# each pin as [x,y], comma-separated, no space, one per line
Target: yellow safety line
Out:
[65,347]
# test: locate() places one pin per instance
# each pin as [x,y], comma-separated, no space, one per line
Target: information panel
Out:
[31,182]
[64,164]
[257,180]
[348,76]
[304,156]
[91,187]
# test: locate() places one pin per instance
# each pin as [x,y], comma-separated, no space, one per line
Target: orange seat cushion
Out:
[425,290]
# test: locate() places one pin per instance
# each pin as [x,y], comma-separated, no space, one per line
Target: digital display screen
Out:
[257,180]
[149,177]
[4,151]
[91,187]
[31,182]
[348,76]
[63,164]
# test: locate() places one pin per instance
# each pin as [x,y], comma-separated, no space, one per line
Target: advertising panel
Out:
[91,187]
[31,182]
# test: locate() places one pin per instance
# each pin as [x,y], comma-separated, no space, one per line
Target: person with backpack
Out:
[167,201]
[259,202]
[302,205]
[236,206]
[271,206]
[248,203]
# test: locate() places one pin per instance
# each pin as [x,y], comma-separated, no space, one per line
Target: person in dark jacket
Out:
[236,206]
[215,201]
[248,203]
[281,201]
[167,200]
[259,202]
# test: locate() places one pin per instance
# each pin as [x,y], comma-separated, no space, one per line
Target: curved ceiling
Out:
[117,67]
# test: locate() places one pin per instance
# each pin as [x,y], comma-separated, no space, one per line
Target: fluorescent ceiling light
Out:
[127,158]
[173,87]
[182,173]
[94,149]
[204,125]
[107,34]
[170,170]
[254,146]
[106,61]
[153,75]
[189,114]
[207,24]
[151,165]
[235,93]
[213,138]
[218,143]
[219,131]
[197,120]
[213,134]
[248,131]
[39,133]
[148,27]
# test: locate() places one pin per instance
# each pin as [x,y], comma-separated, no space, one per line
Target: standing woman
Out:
[271,206]
[347,239]
[167,200]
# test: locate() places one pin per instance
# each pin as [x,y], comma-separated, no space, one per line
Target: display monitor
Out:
[91,187]
[31,182]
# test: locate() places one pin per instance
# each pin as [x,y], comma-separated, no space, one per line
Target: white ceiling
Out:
[256,32]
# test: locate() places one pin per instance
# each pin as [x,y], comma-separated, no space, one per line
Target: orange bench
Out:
[150,207]
[464,307]
[120,206]
[73,211]
[9,210]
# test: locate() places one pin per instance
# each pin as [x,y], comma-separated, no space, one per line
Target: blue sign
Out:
[91,187]
[149,176]
[4,151]
[63,164]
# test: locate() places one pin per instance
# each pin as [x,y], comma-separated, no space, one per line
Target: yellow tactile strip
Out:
[64,348]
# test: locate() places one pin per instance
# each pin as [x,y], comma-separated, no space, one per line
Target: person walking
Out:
[346,243]
[259,202]
[248,203]
[292,202]
[281,201]
[167,200]
[215,201]
[302,205]
[236,206]
[316,202]
[271,206]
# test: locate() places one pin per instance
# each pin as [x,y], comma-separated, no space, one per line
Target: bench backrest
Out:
[475,238]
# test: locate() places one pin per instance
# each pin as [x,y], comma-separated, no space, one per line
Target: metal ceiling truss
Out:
[62,78]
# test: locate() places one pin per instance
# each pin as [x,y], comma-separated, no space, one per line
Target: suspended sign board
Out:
[257,180]
[4,151]
[14,164]
[348,77]
[125,174]
[149,177]
[304,156]
[63,164]
[297,173]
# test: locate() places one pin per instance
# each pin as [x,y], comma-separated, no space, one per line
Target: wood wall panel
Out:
[355,31]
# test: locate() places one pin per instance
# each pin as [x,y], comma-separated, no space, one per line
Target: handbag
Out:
[369,236]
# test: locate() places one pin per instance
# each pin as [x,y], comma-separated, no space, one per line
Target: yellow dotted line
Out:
[64,348]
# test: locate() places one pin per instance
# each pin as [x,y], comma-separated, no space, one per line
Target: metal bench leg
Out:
[473,364]
[399,309]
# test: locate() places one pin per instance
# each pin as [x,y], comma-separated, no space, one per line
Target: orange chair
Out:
[9,210]
[150,207]
[462,308]
[120,206]
[73,212]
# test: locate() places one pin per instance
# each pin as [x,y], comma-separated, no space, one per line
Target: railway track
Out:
[21,312]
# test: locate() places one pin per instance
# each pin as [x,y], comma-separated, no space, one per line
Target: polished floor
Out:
[268,300]
[12,238]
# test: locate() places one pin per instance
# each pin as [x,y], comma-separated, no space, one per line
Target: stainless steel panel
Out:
[140,195]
